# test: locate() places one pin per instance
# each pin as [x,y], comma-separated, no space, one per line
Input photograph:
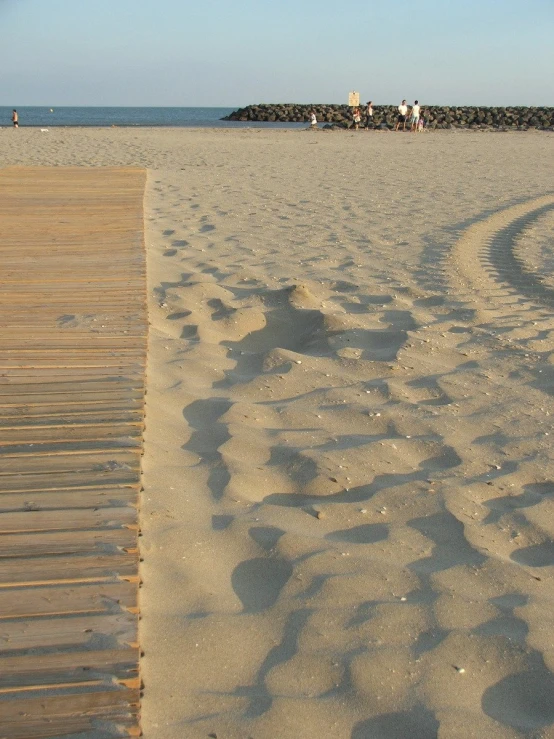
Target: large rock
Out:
[469,117]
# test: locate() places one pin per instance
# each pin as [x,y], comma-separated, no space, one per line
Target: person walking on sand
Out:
[313,120]
[414,119]
[369,115]
[356,117]
[402,114]
[421,123]
[15,118]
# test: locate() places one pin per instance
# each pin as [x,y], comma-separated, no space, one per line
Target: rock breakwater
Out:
[385,116]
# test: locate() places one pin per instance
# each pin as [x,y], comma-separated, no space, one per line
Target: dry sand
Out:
[348,513]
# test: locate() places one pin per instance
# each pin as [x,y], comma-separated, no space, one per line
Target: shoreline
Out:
[274,127]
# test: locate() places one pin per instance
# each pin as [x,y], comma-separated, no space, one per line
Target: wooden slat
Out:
[66,634]
[58,568]
[52,413]
[117,395]
[64,600]
[79,384]
[35,482]
[66,447]
[67,542]
[46,500]
[68,433]
[93,461]
[67,667]
[31,521]
[73,331]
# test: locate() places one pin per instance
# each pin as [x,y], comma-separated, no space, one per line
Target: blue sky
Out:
[235,52]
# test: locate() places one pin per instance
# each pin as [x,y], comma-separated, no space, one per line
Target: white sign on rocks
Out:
[353,99]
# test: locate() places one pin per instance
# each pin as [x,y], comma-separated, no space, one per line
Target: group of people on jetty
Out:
[413,116]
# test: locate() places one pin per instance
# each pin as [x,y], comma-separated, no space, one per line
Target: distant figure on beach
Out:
[369,114]
[414,120]
[356,117]
[420,123]
[313,120]
[402,114]
[15,118]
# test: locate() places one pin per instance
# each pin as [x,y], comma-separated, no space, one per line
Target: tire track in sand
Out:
[486,260]
[512,350]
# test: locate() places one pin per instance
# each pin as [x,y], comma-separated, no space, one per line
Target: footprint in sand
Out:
[221,522]
[366,534]
[266,536]
[524,701]
[258,582]
[539,555]
[418,723]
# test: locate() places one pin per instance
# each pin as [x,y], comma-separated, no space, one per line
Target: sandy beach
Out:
[347,512]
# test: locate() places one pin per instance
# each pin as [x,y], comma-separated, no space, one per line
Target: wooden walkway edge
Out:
[73,333]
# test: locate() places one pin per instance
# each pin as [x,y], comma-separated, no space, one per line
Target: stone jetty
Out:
[384,116]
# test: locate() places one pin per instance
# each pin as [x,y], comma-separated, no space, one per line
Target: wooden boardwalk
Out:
[73,331]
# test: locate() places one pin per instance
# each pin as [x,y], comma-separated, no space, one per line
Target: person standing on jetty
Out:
[414,120]
[369,115]
[402,114]
[15,118]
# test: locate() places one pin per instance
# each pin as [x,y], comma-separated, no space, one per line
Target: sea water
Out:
[105,117]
